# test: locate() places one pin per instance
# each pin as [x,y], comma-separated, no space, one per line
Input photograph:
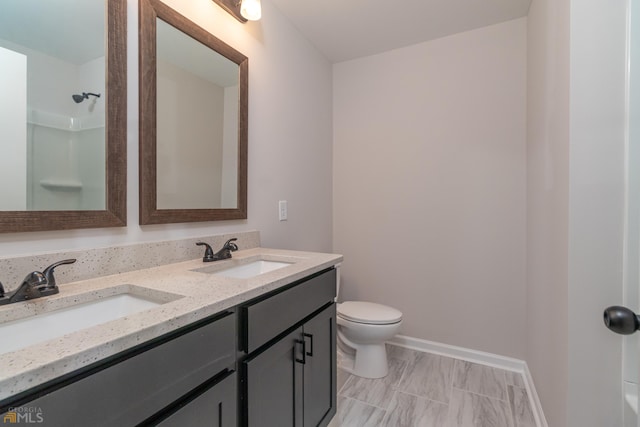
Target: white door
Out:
[623,319]
[631,371]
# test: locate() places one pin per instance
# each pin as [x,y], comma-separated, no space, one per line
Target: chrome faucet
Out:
[35,285]
[224,253]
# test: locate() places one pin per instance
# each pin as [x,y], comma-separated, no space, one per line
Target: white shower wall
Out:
[65,169]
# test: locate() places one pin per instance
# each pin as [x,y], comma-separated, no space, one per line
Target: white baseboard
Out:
[534,399]
[483,358]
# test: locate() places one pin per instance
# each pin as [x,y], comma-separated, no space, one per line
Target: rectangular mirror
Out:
[193,121]
[62,114]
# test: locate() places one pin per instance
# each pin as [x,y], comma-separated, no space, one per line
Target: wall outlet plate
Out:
[282,210]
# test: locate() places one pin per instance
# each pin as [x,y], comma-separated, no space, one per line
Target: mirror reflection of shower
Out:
[52,151]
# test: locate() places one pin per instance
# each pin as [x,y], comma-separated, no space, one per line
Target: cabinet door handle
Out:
[304,351]
[310,336]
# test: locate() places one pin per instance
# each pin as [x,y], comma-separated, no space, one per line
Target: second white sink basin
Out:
[31,330]
[245,271]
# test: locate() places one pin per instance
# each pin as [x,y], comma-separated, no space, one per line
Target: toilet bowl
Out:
[363,328]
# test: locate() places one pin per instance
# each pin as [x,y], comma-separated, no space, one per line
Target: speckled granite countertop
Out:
[186,295]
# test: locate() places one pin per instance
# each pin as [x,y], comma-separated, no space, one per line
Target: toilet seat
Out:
[368,313]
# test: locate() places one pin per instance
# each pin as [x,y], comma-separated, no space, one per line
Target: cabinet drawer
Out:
[267,317]
[216,407]
[128,392]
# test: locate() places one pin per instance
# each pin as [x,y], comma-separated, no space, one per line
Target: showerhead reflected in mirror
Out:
[79,98]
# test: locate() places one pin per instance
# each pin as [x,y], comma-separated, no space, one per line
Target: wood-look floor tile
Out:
[352,413]
[514,378]
[520,407]
[342,377]
[429,375]
[397,352]
[473,410]
[407,410]
[424,389]
[480,379]
[376,392]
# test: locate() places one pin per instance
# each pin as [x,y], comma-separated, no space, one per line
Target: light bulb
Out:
[251,9]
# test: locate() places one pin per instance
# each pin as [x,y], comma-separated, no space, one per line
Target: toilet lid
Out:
[368,312]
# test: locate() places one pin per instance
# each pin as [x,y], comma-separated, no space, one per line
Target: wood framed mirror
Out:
[65,139]
[193,121]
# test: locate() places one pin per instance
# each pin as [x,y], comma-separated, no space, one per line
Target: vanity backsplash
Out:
[99,262]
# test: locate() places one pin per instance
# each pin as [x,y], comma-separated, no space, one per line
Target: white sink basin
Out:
[246,271]
[31,330]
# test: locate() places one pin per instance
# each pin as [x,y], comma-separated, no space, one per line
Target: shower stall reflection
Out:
[52,126]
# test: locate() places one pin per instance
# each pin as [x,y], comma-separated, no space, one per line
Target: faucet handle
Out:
[208,252]
[230,245]
[48,272]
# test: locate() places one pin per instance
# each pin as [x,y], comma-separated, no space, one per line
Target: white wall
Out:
[429,185]
[13,132]
[90,79]
[90,144]
[289,141]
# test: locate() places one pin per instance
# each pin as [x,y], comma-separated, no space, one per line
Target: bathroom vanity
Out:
[253,348]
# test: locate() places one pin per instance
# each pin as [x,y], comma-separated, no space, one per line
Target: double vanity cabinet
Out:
[269,361]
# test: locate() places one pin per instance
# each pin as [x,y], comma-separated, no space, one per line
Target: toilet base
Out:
[368,361]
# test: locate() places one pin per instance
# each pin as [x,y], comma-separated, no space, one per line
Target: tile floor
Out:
[428,390]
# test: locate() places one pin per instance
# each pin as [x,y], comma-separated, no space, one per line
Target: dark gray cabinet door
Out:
[216,407]
[320,368]
[274,384]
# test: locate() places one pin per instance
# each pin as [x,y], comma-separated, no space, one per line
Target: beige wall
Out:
[429,185]
[289,141]
[189,142]
[548,203]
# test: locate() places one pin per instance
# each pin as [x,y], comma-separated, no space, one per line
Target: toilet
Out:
[363,328]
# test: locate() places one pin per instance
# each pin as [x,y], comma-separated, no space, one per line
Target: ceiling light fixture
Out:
[242,10]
